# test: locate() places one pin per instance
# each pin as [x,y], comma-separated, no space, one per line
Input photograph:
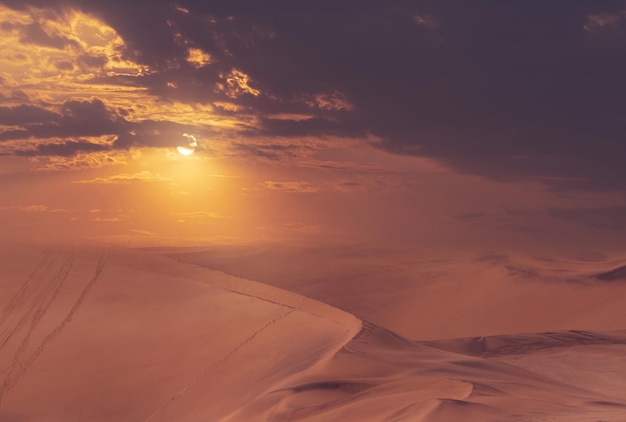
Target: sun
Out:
[184,151]
[191,145]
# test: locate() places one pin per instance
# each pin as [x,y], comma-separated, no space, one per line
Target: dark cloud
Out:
[17,96]
[268,152]
[33,33]
[150,133]
[77,119]
[62,149]
[505,90]
[63,65]
[74,119]
[89,61]
[313,126]
[144,27]
[617,274]
[80,118]
[24,114]
[608,218]
[502,89]
[14,134]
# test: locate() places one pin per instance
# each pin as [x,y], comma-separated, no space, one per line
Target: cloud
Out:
[81,118]
[15,96]
[86,160]
[198,215]
[125,178]
[25,114]
[333,101]
[530,90]
[309,127]
[603,20]
[198,58]
[266,151]
[425,20]
[291,186]
[617,274]
[33,208]
[107,219]
[89,61]
[72,129]
[34,33]
[607,218]
[62,149]
[235,84]
[290,116]
[74,118]
[351,186]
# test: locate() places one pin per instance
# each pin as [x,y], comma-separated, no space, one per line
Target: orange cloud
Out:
[197,57]
[235,84]
[33,208]
[124,178]
[87,160]
[56,51]
[298,187]
[332,101]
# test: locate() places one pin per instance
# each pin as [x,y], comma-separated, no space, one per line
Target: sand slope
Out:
[380,376]
[101,335]
[105,334]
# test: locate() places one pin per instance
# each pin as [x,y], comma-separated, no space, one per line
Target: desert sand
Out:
[102,333]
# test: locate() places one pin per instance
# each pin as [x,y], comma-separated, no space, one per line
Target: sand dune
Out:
[380,376]
[107,334]
[100,335]
[426,295]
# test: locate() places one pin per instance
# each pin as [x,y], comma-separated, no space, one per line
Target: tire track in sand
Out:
[10,307]
[14,322]
[17,370]
[38,310]
[216,365]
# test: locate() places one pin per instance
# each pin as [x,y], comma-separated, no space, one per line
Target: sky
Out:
[405,124]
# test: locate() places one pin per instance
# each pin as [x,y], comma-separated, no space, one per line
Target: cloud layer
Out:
[506,90]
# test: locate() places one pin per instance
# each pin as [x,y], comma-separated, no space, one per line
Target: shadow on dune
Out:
[526,343]
[380,375]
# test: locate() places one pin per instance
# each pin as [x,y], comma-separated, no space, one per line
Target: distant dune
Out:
[425,295]
[90,333]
